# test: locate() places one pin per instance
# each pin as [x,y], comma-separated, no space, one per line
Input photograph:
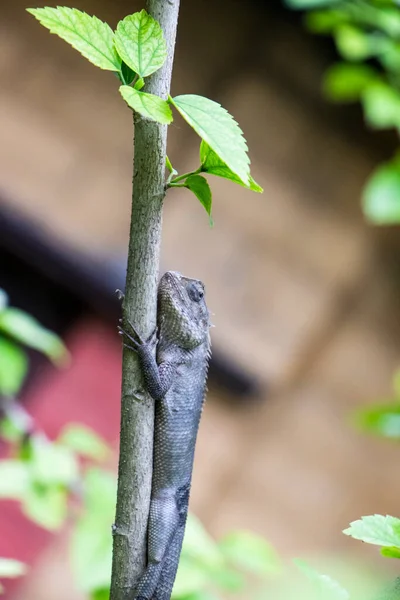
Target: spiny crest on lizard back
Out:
[184,317]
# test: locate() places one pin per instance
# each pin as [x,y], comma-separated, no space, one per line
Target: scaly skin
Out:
[176,379]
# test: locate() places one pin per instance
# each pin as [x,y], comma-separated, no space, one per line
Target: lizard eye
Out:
[195,293]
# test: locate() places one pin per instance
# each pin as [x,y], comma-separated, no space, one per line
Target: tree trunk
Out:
[139,306]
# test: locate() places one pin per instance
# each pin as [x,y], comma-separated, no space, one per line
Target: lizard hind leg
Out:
[164,521]
[170,563]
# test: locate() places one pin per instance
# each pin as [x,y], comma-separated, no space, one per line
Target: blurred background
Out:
[305,293]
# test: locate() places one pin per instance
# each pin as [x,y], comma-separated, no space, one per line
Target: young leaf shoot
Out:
[140,43]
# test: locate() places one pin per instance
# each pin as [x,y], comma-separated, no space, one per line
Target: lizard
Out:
[175,377]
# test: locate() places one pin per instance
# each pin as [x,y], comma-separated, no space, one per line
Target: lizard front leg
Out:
[158,377]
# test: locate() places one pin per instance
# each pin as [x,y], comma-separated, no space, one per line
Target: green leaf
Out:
[381,105]
[376,529]
[191,578]
[83,441]
[27,330]
[10,568]
[381,195]
[140,42]
[100,493]
[354,44]
[196,595]
[330,588]
[127,74]
[16,424]
[148,105]
[52,464]
[390,57]
[386,18]
[139,84]
[219,129]
[14,479]
[380,420]
[10,430]
[91,543]
[100,594]
[13,367]
[345,82]
[46,506]
[212,164]
[200,188]
[390,552]
[249,552]
[3,299]
[90,36]
[199,545]
[229,580]
[201,563]
[25,450]
[325,21]
[307,4]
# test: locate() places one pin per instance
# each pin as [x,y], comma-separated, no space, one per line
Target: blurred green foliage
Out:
[39,472]
[42,474]
[239,562]
[367,37]
[324,584]
[16,328]
[52,480]
[381,418]
[55,482]
[91,543]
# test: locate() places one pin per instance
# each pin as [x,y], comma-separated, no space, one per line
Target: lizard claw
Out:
[135,338]
[134,347]
[135,333]
[135,343]
[132,334]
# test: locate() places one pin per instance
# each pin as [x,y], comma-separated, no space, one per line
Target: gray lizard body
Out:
[176,379]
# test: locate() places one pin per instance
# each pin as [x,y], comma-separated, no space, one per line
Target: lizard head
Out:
[183,315]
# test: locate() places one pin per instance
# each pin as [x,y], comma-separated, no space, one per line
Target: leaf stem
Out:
[185,176]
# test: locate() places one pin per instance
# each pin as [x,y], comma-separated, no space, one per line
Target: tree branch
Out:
[139,306]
